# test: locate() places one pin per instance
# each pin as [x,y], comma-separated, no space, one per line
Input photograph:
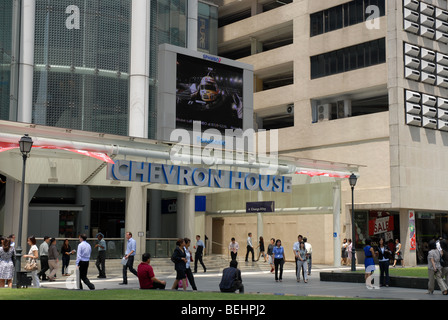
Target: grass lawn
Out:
[135,295]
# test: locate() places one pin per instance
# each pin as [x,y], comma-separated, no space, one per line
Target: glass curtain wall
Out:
[6,56]
[207,28]
[82,64]
[168,25]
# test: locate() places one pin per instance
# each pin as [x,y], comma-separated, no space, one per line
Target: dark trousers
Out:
[65,263]
[279,263]
[157,285]
[43,267]
[237,285]
[250,249]
[233,255]
[101,263]
[384,272]
[129,265]
[198,257]
[83,268]
[190,278]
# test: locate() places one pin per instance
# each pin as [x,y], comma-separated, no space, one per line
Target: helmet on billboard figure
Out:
[208,89]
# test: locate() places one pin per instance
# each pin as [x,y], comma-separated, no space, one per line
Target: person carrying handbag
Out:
[33,255]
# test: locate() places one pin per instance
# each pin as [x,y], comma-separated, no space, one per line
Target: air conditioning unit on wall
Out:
[323,112]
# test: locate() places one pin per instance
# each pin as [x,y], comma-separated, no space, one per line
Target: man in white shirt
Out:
[82,261]
[309,251]
[250,247]
[233,248]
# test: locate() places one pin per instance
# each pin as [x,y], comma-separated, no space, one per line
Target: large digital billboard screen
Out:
[209,92]
[195,87]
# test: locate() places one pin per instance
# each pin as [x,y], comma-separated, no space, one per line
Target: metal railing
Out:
[115,247]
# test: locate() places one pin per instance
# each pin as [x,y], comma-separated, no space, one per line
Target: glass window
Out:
[351,58]
[344,15]
[334,18]
[80,78]
[207,28]
[317,23]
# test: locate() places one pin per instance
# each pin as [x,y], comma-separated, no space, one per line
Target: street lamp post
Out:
[25,145]
[352,180]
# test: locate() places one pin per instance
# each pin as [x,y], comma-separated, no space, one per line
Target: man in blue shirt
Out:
[82,261]
[200,246]
[131,249]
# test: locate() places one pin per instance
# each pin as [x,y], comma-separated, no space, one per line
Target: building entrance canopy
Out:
[64,156]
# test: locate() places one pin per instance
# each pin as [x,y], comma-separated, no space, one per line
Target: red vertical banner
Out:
[412,241]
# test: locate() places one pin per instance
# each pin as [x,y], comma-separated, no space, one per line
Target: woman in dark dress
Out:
[261,246]
[179,258]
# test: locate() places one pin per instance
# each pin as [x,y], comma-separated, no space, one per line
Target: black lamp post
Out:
[352,180]
[25,145]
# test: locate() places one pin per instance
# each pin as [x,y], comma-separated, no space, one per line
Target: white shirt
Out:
[309,248]
[249,241]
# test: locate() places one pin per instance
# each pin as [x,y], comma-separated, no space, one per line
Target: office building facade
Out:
[356,82]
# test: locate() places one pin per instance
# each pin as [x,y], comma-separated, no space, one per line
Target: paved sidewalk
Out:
[257,279]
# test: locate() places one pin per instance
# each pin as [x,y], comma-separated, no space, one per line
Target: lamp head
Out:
[352,180]
[25,144]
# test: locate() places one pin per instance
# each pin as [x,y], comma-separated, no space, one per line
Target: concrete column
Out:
[135,216]
[192,25]
[155,214]
[259,217]
[139,69]
[410,256]
[83,198]
[185,215]
[256,8]
[26,62]
[336,223]
[12,210]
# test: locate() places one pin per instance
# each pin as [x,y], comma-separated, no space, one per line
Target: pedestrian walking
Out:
[269,253]
[250,247]
[33,255]
[233,248]
[53,259]
[344,253]
[179,258]
[101,258]
[131,249]
[200,249]
[261,250]
[435,269]
[383,261]
[309,252]
[278,254]
[43,254]
[7,253]
[82,261]
[369,263]
[189,257]
[349,252]
[66,252]
[398,253]
[301,263]
[295,249]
